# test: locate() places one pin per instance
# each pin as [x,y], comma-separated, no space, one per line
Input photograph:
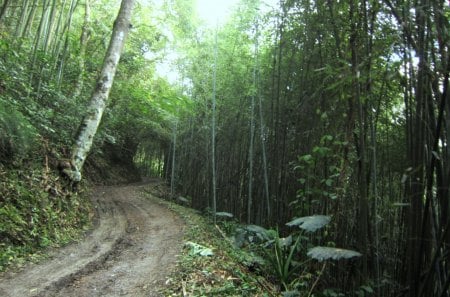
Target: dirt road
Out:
[129,253]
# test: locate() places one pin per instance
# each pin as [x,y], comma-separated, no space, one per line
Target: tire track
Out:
[129,253]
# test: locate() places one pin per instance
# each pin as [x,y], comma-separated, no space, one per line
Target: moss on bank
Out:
[38,209]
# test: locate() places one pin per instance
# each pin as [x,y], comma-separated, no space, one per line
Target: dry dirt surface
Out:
[130,252]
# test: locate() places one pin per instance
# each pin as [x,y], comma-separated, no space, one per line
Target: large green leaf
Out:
[260,232]
[224,214]
[198,249]
[256,229]
[326,253]
[310,223]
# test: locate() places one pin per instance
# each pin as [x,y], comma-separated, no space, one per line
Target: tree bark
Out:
[91,121]
[23,14]
[213,133]
[252,138]
[85,34]
[3,10]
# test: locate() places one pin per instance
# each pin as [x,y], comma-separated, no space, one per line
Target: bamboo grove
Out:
[336,108]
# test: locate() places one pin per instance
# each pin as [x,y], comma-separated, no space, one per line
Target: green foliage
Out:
[18,137]
[223,214]
[149,108]
[362,291]
[310,223]
[286,256]
[198,249]
[35,212]
[226,273]
[37,122]
[322,253]
[332,293]
[281,256]
[258,230]
[320,174]
[39,72]
[316,113]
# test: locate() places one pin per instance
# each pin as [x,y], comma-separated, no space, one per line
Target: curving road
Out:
[129,253]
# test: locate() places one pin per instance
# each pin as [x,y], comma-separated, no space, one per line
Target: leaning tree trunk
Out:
[99,97]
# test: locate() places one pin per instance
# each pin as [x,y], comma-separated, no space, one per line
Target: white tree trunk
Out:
[82,54]
[91,120]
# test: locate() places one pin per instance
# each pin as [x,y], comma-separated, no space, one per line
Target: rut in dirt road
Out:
[129,253]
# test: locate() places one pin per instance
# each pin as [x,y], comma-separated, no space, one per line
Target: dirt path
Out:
[129,253]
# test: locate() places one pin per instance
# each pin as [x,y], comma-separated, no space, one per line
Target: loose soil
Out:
[130,252]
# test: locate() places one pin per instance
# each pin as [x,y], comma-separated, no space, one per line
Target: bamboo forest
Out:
[309,138]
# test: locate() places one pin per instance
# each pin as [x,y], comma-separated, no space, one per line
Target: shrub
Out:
[18,136]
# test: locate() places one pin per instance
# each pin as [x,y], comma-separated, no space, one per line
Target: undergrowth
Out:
[37,210]
[225,273]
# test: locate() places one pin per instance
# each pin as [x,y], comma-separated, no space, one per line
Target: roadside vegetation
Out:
[228,258]
[38,211]
[306,131]
[210,265]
